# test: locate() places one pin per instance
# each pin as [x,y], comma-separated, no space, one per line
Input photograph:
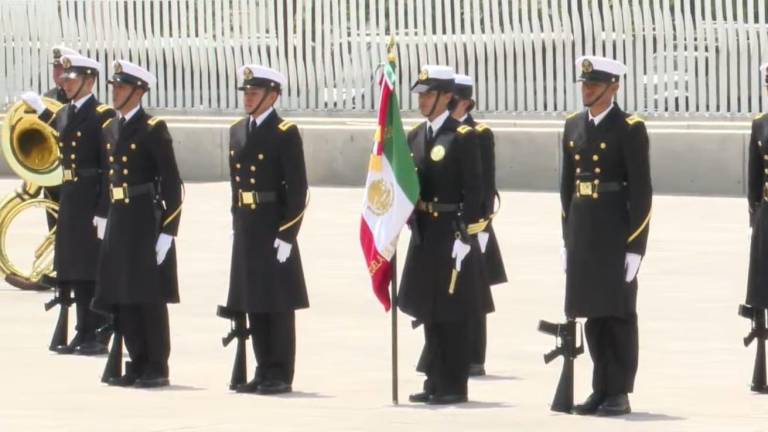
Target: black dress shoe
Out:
[274,387]
[422,397]
[589,406]
[476,370]
[615,406]
[251,386]
[152,381]
[127,380]
[70,347]
[446,399]
[759,388]
[92,348]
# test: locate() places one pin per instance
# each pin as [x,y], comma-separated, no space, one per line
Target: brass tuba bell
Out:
[31,149]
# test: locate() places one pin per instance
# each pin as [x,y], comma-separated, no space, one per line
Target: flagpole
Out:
[393,313]
[391,58]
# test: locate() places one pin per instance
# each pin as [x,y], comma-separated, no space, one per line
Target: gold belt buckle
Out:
[585,189]
[117,193]
[68,175]
[248,198]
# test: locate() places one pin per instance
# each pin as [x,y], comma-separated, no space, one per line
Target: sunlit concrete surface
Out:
[694,372]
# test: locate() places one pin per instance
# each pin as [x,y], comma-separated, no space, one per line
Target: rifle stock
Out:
[60,336]
[114,366]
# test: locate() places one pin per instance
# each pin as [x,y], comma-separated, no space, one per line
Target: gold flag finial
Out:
[391,56]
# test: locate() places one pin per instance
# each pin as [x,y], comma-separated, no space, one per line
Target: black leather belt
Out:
[253,198]
[73,174]
[434,207]
[125,193]
[593,189]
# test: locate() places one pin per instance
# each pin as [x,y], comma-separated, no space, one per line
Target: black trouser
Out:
[477,339]
[446,357]
[88,321]
[147,337]
[274,345]
[477,344]
[613,345]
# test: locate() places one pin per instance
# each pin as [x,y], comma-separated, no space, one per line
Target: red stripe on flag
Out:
[386,92]
[379,267]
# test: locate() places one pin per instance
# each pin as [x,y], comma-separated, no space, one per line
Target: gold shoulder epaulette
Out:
[103,107]
[572,115]
[759,116]
[481,127]
[463,129]
[106,123]
[236,121]
[153,121]
[634,119]
[285,125]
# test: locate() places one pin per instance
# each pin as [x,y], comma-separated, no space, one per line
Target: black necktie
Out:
[430,134]
[122,122]
[251,125]
[71,110]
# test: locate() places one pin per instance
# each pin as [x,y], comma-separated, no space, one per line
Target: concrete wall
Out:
[691,156]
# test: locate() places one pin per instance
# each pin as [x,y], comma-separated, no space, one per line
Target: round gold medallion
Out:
[437,153]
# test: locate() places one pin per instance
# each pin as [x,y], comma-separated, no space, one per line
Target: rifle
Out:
[759,332]
[114,367]
[64,299]
[238,330]
[566,335]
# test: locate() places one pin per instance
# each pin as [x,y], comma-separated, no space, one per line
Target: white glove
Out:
[631,266]
[460,251]
[283,250]
[482,238]
[164,242]
[101,226]
[564,259]
[34,101]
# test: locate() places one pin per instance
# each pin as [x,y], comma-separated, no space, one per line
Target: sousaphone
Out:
[31,150]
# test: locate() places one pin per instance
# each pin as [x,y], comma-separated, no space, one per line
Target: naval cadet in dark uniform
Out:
[142,208]
[77,246]
[757,196]
[58,94]
[269,195]
[443,284]
[461,108]
[605,193]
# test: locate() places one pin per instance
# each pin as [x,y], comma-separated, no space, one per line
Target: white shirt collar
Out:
[131,113]
[78,103]
[438,122]
[463,119]
[263,116]
[597,119]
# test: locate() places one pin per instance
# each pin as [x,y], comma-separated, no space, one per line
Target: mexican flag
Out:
[391,190]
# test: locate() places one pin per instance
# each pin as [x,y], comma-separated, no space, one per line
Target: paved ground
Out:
[694,372]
